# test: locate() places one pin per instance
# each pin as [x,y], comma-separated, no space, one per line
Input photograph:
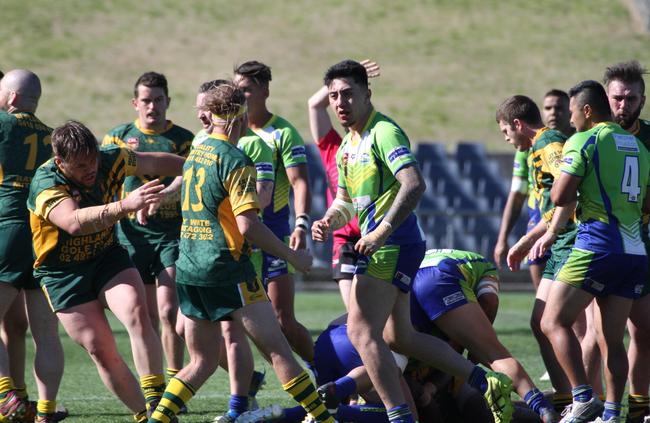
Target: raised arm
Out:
[319,121]
[163,164]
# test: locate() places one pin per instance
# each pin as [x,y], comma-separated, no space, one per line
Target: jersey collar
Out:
[220,137]
[152,132]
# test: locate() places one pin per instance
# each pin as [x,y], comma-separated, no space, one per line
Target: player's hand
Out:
[147,194]
[320,230]
[542,245]
[301,260]
[500,252]
[372,68]
[370,243]
[143,214]
[298,239]
[518,252]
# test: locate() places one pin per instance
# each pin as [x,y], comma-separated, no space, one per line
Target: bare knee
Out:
[15,328]
[167,313]
[360,333]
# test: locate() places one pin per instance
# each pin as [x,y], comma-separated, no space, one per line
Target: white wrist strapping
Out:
[519,185]
[344,209]
[303,221]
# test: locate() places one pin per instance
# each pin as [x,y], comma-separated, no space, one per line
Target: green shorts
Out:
[84,282]
[395,264]
[646,242]
[560,250]
[17,256]
[217,303]
[151,259]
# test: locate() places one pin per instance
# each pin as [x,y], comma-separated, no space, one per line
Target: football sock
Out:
[302,390]
[177,394]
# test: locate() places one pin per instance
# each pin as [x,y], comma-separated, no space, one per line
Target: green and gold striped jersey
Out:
[55,248]
[165,224]
[218,184]
[24,146]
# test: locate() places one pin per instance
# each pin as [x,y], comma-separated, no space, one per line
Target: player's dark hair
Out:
[347,69]
[519,107]
[592,93]
[207,86]
[73,139]
[151,80]
[2,74]
[554,92]
[629,72]
[257,71]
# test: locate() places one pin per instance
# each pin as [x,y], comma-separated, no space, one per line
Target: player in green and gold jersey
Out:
[520,122]
[24,145]
[238,360]
[79,264]
[290,168]
[626,93]
[607,169]
[216,279]
[151,236]
[379,180]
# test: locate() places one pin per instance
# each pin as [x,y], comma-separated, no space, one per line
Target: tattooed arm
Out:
[412,187]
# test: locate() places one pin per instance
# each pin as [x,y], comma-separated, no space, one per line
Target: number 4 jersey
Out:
[614,167]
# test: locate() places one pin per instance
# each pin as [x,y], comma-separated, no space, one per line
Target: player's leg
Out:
[639,373]
[10,402]
[345,285]
[13,330]
[203,339]
[240,367]
[124,295]
[610,317]
[536,271]
[173,346]
[560,382]
[344,260]
[403,338]
[86,324]
[591,356]
[281,292]
[257,319]
[151,296]
[48,356]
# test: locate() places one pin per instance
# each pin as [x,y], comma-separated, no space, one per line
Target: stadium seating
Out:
[462,206]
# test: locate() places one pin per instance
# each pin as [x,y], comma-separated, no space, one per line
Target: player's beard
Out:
[628,121]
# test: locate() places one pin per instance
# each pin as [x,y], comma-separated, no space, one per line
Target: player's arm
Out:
[88,220]
[553,228]
[299,180]
[264,192]
[565,189]
[511,211]
[319,121]
[164,164]
[412,186]
[259,234]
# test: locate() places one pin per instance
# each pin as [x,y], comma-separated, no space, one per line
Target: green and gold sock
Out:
[141,417]
[6,385]
[153,387]
[638,406]
[303,391]
[171,372]
[45,407]
[177,394]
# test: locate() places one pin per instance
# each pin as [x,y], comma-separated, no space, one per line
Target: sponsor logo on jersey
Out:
[360,203]
[365,158]
[398,152]
[516,165]
[133,143]
[567,160]
[453,298]
[348,268]
[626,143]
[298,152]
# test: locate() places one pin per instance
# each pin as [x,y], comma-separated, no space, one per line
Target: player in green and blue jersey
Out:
[607,170]
[380,182]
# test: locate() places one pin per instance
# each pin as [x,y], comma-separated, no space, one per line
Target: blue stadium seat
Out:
[429,153]
[470,152]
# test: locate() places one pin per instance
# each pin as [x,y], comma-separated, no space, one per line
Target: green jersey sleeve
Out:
[520,164]
[261,155]
[393,146]
[292,148]
[574,156]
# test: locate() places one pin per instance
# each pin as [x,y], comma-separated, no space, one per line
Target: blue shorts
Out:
[435,292]
[395,264]
[603,274]
[334,355]
[533,219]
[272,266]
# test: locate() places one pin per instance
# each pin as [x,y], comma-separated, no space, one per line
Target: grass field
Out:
[88,400]
[446,63]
